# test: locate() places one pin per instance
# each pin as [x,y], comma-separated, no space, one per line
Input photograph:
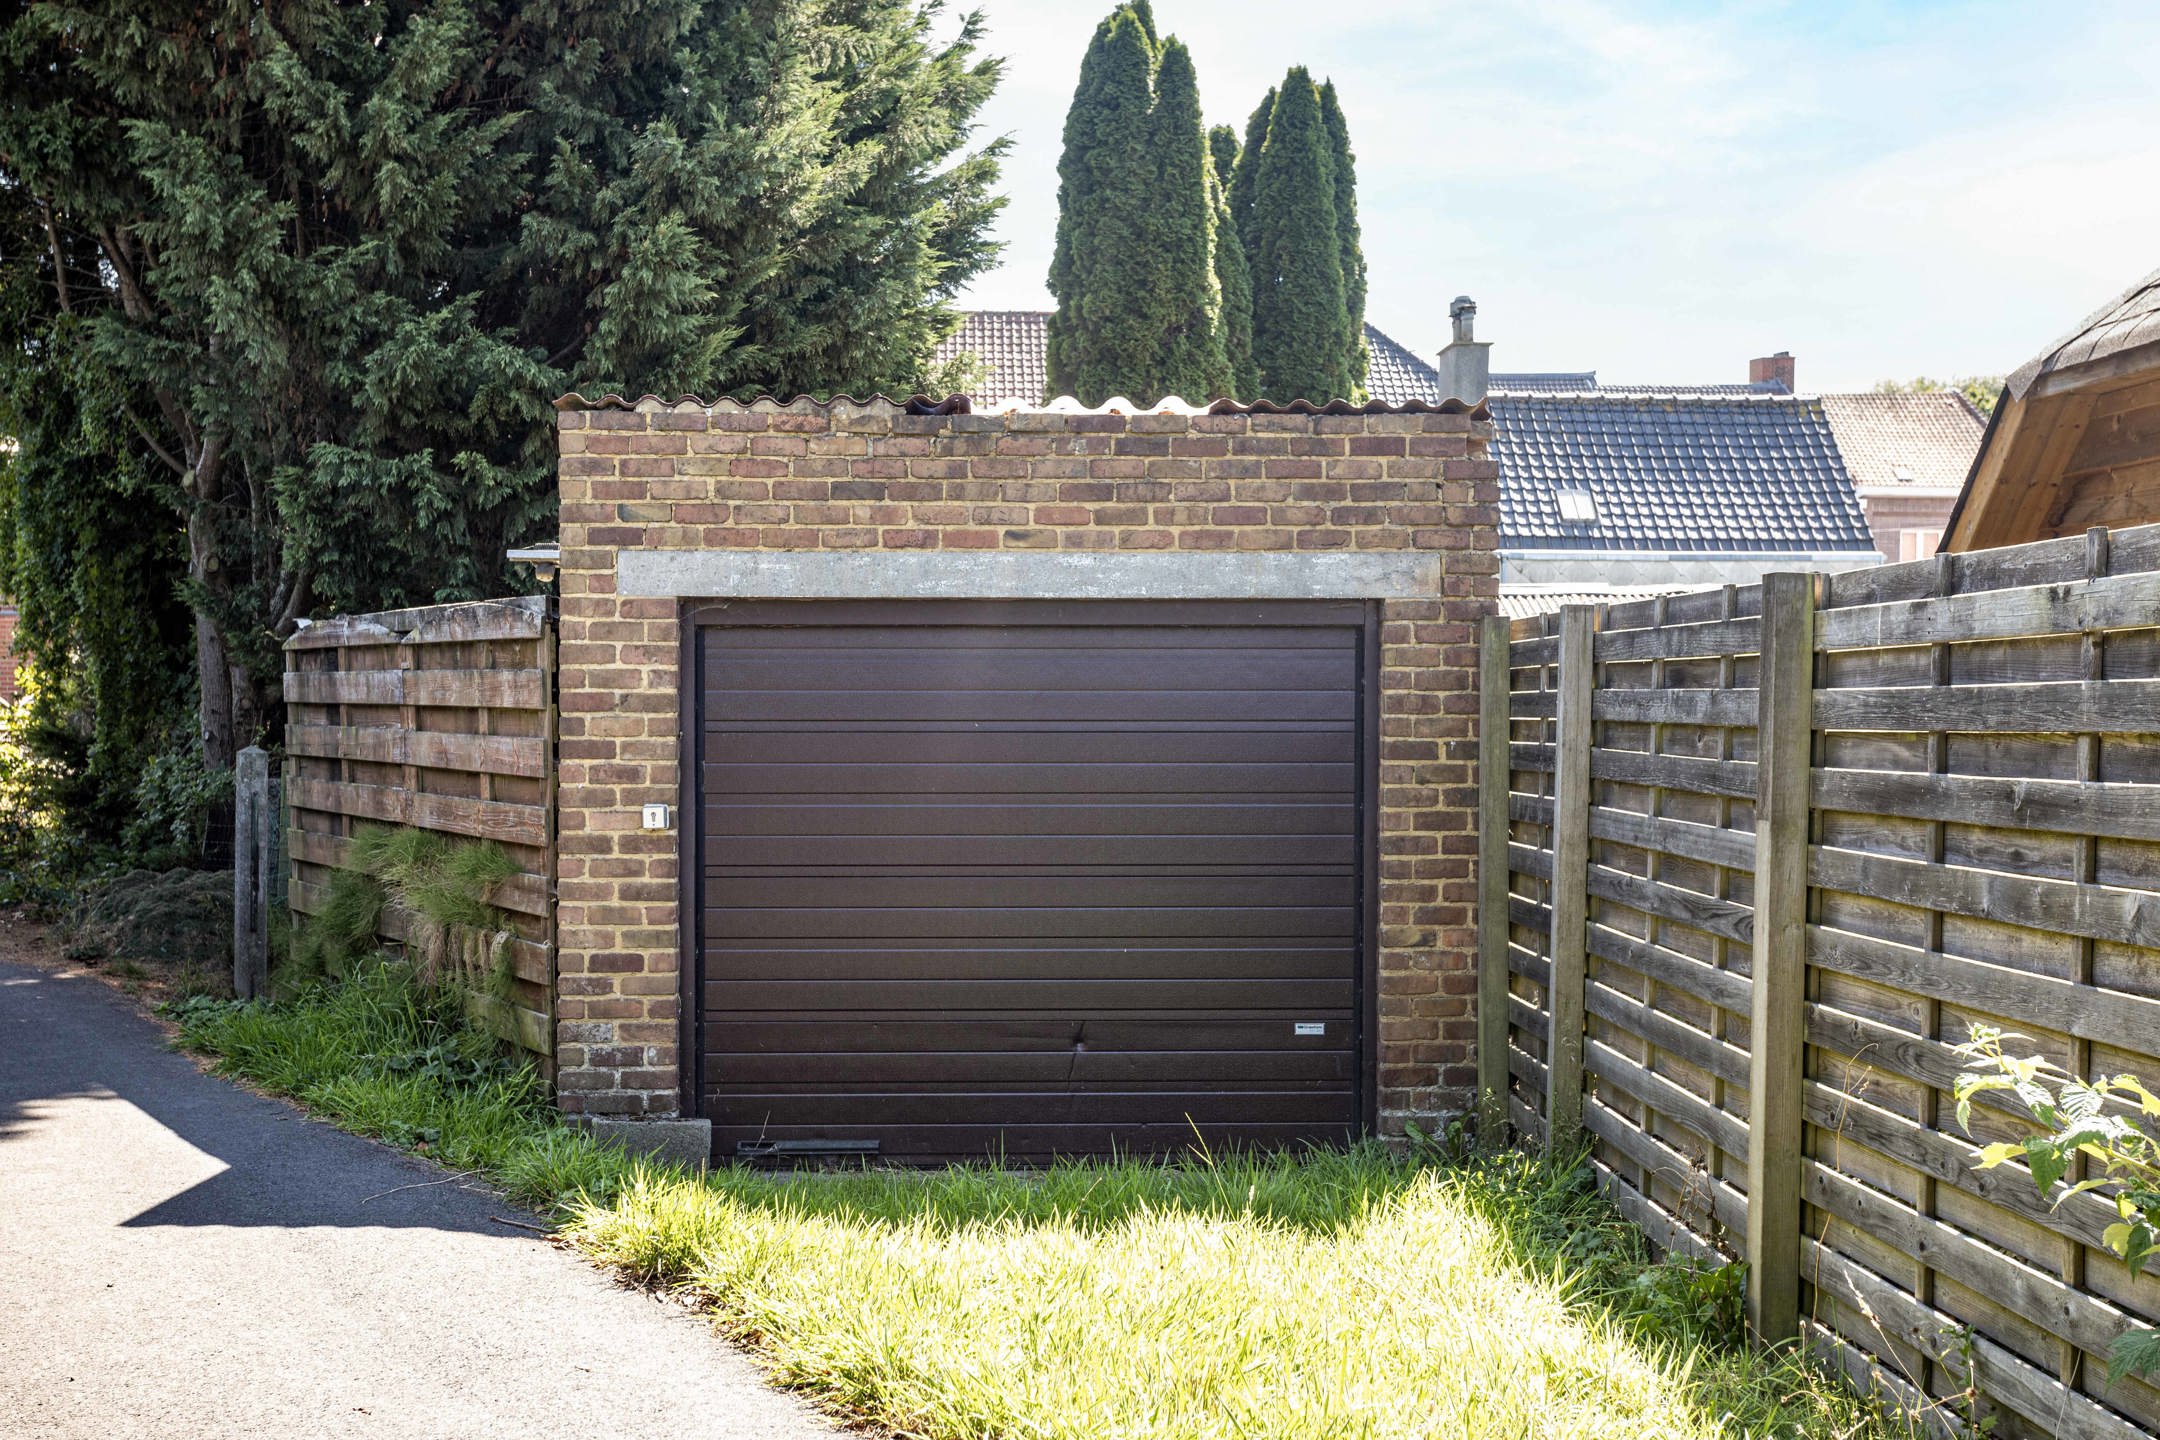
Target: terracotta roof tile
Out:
[1890,440]
[1011,344]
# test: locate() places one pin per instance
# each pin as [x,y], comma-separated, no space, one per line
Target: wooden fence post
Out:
[253,819]
[1777,1032]
[1570,880]
[1492,821]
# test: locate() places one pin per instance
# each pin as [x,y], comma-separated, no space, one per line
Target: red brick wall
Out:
[9,687]
[871,477]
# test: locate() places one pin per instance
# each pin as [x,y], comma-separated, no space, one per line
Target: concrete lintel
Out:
[1027,575]
[676,1141]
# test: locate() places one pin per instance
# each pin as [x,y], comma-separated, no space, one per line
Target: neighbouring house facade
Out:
[10,681]
[1056,781]
[1908,455]
[1613,491]
[2075,439]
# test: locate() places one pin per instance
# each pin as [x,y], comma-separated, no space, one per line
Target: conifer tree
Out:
[1351,244]
[1232,277]
[1186,297]
[1136,271]
[1245,177]
[1300,317]
[311,274]
[1099,339]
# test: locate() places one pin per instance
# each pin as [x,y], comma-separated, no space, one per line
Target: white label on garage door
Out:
[1309,1027]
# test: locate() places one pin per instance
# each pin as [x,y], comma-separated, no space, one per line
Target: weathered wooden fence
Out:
[1754,860]
[441,719]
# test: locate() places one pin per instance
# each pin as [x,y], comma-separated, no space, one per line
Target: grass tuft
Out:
[1358,1293]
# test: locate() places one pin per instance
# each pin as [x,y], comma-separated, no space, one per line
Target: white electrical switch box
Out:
[656,817]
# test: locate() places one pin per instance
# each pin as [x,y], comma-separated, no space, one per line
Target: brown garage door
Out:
[1032,879]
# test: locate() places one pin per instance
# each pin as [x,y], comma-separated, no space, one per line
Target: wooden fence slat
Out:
[2070,807]
[1571,865]
[1678,642]
[2002,1374]
[1493,864]
[2099,912]
[1706,1051]
[481,819]
[2084,1218]
[1691,908]
[1730,849]
[1675,707]
[2067,607]
[490,689]
[2082,1319]
[522,894]
[2059,707]
[1722,988]
[1777,1031]
[1728,1207]
[2024,998]
[524,756]
[1675,1102]
[1734,778]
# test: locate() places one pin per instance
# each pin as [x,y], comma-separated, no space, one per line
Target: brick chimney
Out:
[1778,368]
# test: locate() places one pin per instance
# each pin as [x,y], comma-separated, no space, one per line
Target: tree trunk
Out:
[215,677]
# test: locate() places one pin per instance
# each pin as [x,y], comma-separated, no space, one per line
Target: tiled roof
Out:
[2129,321]
[1012,344]
[1675,472]
[1397,376]
[1890,440]
[1522,603]
[1544,382]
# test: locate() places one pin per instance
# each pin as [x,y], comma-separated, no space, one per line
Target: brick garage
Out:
[665,507]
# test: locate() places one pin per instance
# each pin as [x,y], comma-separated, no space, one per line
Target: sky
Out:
[1660,191]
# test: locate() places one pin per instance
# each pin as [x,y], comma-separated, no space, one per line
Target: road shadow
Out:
[69,1037]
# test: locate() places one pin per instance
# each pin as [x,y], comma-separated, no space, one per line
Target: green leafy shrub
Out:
[174,800]
[2076,1122]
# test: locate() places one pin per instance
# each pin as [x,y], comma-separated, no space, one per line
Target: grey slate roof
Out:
[1697,473]
[2129,321]
[1697,468]
[1544,382]
[1395,375]
[1012,344]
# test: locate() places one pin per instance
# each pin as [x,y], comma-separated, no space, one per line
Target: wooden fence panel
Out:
[1981,846]
[443,719]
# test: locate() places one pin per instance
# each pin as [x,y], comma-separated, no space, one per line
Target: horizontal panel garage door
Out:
[1032,879]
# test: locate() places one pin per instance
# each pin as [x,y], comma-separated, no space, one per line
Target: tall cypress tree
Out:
[1186,298]
[1099,338]
[1300,317]
[1245,177]
[1351,245]
[1139,309]
[1231,275]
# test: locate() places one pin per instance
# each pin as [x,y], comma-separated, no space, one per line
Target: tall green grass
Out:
[1358,1293]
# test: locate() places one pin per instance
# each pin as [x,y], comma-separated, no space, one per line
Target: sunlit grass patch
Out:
[1362,1294]
[1349,1295]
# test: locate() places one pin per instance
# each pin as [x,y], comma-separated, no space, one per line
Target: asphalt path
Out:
[181,1258]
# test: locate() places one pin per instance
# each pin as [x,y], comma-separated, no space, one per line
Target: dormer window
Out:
[1577,507]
